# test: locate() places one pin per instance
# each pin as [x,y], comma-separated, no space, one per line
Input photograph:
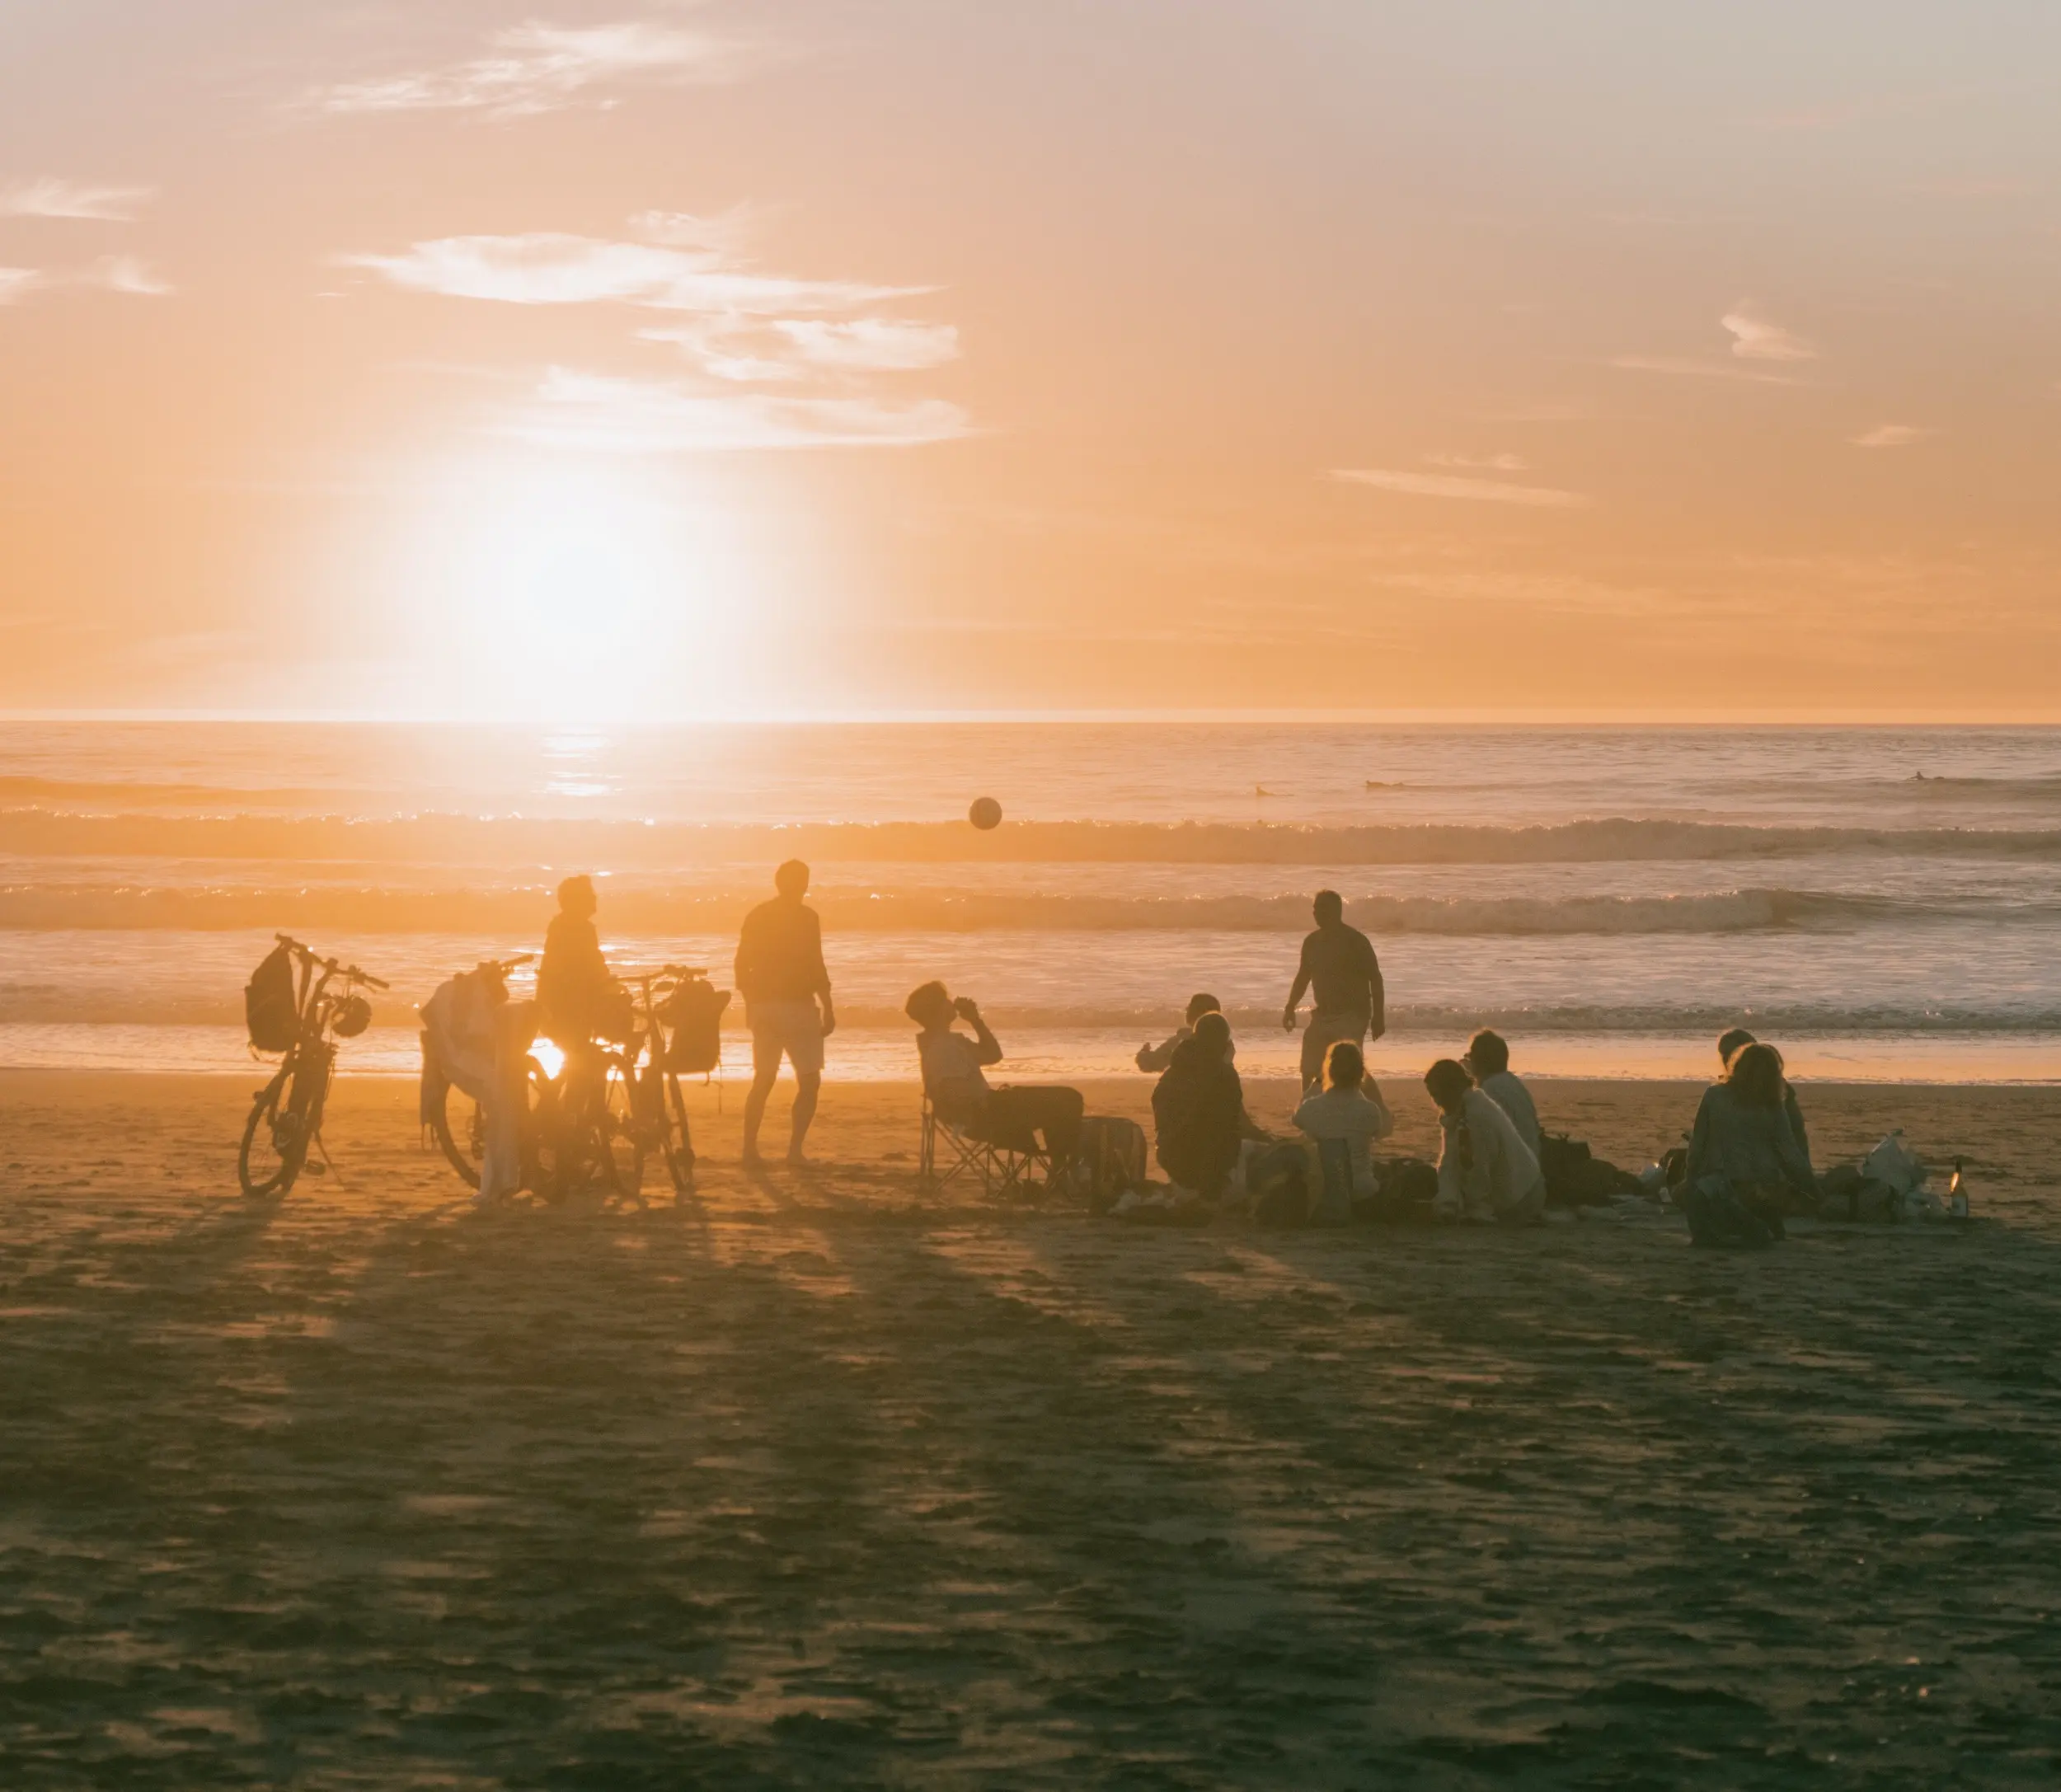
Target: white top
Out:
[952,1074]
[1353,1115]
[1485,1170]
[1515,1099]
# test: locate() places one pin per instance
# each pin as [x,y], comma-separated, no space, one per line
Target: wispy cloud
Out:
[1690,367]
[1481,491]
[1755,338]
[1490,463]
[48,197]
[540,68]
[593,411]
[738,327]
[1888,435]
[110,274]
[546,268]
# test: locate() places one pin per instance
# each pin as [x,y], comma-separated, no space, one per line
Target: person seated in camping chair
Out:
[954,1079]
[1199,1111]
[578,998]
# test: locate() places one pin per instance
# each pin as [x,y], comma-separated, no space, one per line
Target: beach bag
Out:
[1109,1160]
[694,1012]
[1408,1183]
[1893,1162]
[271,1003]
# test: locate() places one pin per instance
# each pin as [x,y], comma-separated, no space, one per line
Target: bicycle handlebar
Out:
[349,972]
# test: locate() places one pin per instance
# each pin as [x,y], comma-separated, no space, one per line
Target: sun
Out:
[577,592]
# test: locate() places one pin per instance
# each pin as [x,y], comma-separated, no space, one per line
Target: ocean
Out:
[1883,903]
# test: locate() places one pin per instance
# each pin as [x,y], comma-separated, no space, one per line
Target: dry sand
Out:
[815,1483]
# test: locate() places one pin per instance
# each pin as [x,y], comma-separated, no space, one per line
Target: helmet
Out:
[354,1015]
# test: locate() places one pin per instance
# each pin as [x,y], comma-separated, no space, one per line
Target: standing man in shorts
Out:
[787,991]
[1339,964]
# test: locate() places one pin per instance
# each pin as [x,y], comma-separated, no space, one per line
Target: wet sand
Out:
[816,1482]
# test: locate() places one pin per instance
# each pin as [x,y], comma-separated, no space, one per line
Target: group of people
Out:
[1748,1150]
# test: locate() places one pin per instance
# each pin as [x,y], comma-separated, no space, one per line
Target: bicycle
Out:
[286,1118]
[591,1129]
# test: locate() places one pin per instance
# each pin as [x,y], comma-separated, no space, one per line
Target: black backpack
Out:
[271,1003]
[695,1013]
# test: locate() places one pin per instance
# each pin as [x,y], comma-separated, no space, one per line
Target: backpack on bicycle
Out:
[271,1003]
[694,1012]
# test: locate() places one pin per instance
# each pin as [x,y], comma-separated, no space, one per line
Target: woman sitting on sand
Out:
[1743,1150]
[1199,1111]
[1486,1172]
[954,1079]
[1350,1108]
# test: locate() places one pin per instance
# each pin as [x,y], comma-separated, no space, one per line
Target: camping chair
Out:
[951,1149]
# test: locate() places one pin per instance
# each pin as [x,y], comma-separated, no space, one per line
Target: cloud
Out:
[597,412]
[51,198]
[1481,491]
[1890,435]
[1492,463]
[110,274]
[1691,368]
[1755,338]
[539,68]
[546,268]
[877,345]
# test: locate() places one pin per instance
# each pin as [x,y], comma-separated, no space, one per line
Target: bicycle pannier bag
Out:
[695,1012]
[270,1003]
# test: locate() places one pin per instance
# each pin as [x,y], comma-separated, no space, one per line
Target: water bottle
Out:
[1957,1194]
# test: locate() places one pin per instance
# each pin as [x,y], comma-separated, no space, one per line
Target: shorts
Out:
[1324,1031]
[793,1027]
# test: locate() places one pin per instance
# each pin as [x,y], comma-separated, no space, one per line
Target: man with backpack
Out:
[787,990]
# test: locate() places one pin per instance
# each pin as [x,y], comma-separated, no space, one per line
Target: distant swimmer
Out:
[1260,789]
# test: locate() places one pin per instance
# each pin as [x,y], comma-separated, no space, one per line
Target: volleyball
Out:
[985,814]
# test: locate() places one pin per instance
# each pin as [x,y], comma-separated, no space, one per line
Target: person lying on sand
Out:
[1155,1058]
[1743,1146]
[1488,1063]
[1349,1107]
[954,1079]
[1728,1045]
[1199,1111]
[1486,1172]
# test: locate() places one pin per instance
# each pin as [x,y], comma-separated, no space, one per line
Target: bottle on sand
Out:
[1957,1193]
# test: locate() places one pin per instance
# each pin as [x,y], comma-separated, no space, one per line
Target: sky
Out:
[624,360]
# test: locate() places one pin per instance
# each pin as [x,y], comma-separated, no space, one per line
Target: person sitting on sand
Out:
[1488,1063]
[1729,1046]
[1350,1108]
[1155,1059]
[1744,1145]
[1338,965]
[954,1079]
[1199,1111]
[1486,1172]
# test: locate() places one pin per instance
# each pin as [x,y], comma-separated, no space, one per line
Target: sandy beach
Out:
[816,1481]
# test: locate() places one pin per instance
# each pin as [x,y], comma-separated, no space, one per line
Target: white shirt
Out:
[1515,1099]
[1350,1114]
[1485,1171]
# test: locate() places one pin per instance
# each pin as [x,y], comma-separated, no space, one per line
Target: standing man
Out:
[1338,964]
[780,975]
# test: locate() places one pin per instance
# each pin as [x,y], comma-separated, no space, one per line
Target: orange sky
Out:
[670,361]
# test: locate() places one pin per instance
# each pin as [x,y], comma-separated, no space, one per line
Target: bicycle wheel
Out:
[622,1147]
[275,1137]
[464,1144]
[678,1139]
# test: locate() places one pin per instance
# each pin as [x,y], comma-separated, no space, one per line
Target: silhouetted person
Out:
[954,1079]
[1486,1173]
[1199,1111]
[1728,1045]
[1157,1058]
[578,997]
[787,991]
[1743,1143]
[1488,1062]
[1339,964]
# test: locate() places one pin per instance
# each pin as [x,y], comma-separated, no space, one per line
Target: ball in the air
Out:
[986,813]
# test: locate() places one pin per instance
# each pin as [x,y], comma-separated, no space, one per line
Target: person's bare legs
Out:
[808,1085]
[765,1074]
